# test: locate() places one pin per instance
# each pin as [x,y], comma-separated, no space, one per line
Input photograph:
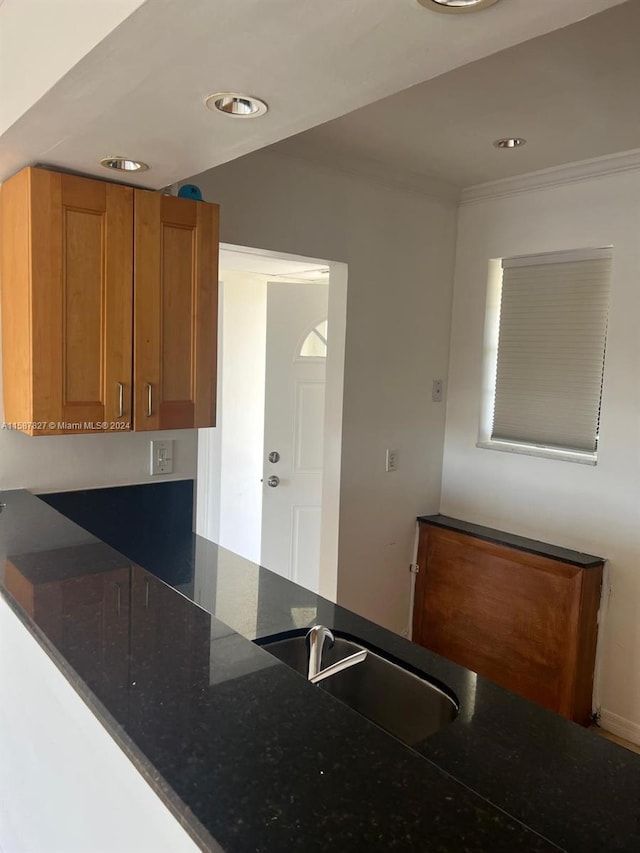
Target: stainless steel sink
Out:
[402,701]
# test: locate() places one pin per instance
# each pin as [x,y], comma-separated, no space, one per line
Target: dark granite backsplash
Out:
[152,522]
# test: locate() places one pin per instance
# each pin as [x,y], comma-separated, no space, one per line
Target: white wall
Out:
[399,246]
[65,785]
[66,462]
[244,320]
[592,509]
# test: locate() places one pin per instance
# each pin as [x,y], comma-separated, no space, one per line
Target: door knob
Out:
[273,481]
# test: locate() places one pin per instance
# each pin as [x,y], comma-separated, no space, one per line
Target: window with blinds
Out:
[551,348]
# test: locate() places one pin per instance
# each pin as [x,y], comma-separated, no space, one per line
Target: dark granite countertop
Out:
[251,757]
[521,543]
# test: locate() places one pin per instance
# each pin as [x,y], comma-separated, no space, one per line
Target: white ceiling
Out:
[574,94]
[270,264]
[140,91]
[40,40]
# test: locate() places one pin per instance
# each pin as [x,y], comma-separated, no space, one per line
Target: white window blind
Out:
[551,346]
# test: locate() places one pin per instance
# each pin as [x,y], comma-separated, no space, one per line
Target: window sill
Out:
[544,452]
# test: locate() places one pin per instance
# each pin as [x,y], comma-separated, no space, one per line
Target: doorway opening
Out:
[269,472]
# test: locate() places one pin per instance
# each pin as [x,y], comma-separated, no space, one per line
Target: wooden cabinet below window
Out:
[516,611]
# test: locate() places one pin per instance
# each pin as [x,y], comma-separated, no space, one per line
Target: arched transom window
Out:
[314,344]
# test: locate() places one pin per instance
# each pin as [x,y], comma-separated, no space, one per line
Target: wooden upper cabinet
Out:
[109,306]
[175,313]
[66,302]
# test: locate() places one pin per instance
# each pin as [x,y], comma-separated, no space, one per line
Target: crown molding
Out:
[598,167]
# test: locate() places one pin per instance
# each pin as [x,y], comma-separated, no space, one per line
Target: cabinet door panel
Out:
[81,301]
[524,620]
[176,278]
[508,615]
[83,252]
[177,308]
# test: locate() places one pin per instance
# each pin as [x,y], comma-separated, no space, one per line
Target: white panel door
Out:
[293,429]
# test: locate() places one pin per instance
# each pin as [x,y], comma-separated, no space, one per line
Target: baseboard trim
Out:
[620,726]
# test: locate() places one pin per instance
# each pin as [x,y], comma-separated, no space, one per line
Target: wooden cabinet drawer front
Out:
[510,621]
[525,621]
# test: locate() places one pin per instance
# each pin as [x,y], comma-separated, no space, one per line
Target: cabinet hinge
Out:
[414,568]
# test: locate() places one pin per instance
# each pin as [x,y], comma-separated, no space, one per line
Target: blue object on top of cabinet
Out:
[190,191]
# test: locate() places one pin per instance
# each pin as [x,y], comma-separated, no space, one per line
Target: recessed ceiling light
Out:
[123,164]
[456,6]
[510,142]
[236,105]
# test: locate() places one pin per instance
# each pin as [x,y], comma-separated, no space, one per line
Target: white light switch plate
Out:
[161,457]
[393,460]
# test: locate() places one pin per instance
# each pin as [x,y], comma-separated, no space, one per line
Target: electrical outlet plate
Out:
[393,460]
[436,391]
[161,461]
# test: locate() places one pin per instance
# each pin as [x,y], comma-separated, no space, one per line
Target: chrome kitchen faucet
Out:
[316,638]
